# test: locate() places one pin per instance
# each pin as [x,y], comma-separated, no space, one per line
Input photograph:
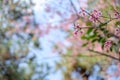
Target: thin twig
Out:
[107,17]
[74,8]
[104,54]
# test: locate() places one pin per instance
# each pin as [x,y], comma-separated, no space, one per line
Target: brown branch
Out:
[104,54]
[119,56]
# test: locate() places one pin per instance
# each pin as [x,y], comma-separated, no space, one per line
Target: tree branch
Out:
[74,8]
[104,54]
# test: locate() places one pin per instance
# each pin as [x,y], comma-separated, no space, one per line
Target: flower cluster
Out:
[78,29]
[117,15]
[108,44]
[117,32]
[95,15]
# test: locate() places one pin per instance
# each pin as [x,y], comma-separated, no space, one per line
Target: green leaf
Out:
[115,48]
[94,40]
[85,44]
[101,39]
[89,30]
[103,24]
[111,49]
[117,23]
[90,35]
[88,23]
[102,46]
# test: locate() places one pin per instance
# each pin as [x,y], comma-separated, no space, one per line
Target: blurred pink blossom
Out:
[117,15]
[117,31]
[108,44]
[95,15]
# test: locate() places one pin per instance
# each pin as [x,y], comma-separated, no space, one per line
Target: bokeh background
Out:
[37,42]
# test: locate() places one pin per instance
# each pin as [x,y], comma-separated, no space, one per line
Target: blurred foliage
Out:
[17,35]
[81,64]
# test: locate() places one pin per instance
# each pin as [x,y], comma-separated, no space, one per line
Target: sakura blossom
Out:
[117,32]
[95,15]
[117,15]
[108,44]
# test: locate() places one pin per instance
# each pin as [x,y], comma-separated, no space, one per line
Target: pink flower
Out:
[95,15]
[82,12]
[117,32]
[80,32]
[78,29]
[117,15]
[108,44]
[76,32]
[77,26]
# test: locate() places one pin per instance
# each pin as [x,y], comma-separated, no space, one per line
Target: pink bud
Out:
[117,32]
[76,32]
[108,44]
[117,15]
[82,12]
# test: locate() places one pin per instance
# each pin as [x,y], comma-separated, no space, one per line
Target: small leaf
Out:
[103,24]
[102,46]
[117,23]
[111,49]
[85,44]
[88,23]
[94,40]
[89,30]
